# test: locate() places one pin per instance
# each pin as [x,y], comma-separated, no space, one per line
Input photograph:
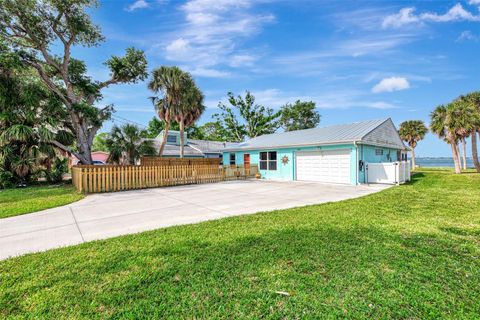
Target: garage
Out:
[324,166]
[333,154]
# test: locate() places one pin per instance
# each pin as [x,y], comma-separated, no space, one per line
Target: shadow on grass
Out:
[415,177]
[462,231]
[326,271]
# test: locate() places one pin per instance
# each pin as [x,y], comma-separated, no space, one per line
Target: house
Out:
[98,157]
[192,148]
[334,154]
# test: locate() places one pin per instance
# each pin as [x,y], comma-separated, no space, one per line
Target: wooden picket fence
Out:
[161,161]
[109,178]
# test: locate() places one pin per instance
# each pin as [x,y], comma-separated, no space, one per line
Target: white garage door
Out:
[324,166]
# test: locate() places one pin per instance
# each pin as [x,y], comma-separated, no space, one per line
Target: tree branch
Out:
[107,83]
[49,82]
[55,29]
[63,147]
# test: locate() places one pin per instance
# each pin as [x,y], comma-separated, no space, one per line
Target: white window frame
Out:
[268,161]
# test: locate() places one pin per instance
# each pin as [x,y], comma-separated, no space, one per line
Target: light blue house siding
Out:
[286,171]
[369,154]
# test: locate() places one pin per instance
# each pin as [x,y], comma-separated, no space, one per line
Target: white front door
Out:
[324,166]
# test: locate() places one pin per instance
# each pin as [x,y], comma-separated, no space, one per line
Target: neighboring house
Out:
[334,154]
[98,157]
[192,148]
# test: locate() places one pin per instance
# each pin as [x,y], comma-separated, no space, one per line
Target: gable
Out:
[385,135]
[173,137]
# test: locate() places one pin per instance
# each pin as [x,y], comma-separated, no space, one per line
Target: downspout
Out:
[356,162]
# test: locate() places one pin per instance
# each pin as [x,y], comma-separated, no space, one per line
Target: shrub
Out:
[58,169]
[6,179]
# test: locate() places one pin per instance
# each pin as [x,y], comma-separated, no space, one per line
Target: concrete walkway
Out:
[101,216]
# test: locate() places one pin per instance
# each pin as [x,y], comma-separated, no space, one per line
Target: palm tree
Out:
[190,110]
[23,143]
[464,121]
[31,121]
[126,144]
[441,125]
[170,82]
[473,99]
[412,132]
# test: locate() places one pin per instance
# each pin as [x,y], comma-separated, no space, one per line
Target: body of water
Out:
[439,162]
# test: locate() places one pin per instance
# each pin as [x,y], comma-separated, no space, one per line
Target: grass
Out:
[408,252]
[14,202]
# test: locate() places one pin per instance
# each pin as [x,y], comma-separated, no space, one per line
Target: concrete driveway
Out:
[101,216]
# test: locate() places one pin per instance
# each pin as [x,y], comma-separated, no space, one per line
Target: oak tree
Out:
[43,34]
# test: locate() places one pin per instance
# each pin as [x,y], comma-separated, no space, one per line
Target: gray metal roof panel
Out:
[174,150]
[343,133]
[208,146]
[194,147]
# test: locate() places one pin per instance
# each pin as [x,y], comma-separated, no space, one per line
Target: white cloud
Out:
[138,4]
[456,13]
[391,84]
[178,49]
[380,105]
[475,3]
[371,45]
[403,17]
[212,33]
[407,16]
[208,72]
[240,60]
[468,36]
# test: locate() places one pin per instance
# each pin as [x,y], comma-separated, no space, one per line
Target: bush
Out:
[6,179]
[58,169]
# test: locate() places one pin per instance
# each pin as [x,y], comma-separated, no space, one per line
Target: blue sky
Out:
[356,59]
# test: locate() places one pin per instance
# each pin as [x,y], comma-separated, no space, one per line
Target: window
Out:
[268,160]
[232,158]
[263,161]
[379,152]
[272,160]
[171,139]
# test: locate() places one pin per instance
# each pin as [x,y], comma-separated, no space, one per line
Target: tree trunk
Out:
[84,148]
[459,158]
[84,132]
[165,136]
[182,137]
[413,158]
[131,157]
[474,151]
[456,158]
[464,153]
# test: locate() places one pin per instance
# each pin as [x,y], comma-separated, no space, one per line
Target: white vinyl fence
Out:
[388,172]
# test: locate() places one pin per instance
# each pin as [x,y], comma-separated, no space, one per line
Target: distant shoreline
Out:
[439,162]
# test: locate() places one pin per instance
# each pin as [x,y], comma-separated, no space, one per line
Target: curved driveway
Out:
[101,216]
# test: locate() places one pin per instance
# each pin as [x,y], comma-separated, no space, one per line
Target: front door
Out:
[246,160]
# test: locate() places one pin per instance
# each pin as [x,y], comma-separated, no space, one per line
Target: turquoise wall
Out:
[287,171]
[367,154]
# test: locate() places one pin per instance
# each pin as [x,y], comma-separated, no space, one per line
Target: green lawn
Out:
[14,202]
[408,252]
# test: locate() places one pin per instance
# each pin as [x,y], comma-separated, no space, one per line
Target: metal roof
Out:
[207,146]
[174,150]
[194,147]
[343,133]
